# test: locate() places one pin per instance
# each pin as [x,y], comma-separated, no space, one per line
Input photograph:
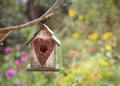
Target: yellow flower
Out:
[80,17]
[108,47]
[71,70]
[94,36]
[76,35]
[104,63]
[107,35]
[71,12]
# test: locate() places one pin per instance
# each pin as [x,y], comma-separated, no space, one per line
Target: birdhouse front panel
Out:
[43,50]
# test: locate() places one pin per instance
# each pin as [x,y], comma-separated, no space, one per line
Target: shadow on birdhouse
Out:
[43,49]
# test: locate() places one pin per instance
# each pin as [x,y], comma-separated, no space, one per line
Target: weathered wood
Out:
[43,49]
[57,68]
[51,33]
[50,60]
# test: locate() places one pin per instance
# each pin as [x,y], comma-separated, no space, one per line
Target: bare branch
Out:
[6,36]
[49,15]
[46,15]
[31,23]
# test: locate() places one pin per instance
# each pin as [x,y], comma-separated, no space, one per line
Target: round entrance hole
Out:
[43,48]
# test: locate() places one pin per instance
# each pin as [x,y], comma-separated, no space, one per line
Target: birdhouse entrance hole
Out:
[43,48]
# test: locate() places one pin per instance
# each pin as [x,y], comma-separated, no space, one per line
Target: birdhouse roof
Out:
[50,31]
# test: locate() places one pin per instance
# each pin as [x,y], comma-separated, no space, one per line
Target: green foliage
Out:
[45,3]
[89,52]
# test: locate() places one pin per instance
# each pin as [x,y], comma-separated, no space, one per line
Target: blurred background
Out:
[89,54]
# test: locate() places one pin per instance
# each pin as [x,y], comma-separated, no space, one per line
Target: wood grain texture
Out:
[43,49]
[51,61]
[56,69]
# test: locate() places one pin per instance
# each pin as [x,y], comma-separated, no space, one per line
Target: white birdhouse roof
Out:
[50,31]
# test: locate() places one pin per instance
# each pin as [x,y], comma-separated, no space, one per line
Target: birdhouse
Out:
[43,50]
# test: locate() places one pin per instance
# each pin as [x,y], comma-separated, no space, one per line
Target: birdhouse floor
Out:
[43,68]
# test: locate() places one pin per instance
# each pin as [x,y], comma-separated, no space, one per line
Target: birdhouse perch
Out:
[43,50]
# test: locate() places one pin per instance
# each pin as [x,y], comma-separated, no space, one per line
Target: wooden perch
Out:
[46,15]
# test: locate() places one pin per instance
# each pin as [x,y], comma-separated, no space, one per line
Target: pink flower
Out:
[24,58]
[17,62]
[7,50]
[22,71]
[46,73]
[9,73]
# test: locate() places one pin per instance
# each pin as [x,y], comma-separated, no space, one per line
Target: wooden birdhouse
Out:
[43,49]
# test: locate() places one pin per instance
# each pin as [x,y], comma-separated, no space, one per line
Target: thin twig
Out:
[31,23]
[6,36]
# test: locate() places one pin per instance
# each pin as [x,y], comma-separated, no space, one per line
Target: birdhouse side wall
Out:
[51,62]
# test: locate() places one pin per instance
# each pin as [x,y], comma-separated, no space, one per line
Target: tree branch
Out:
[31,23]
[10,30]
[6,36]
